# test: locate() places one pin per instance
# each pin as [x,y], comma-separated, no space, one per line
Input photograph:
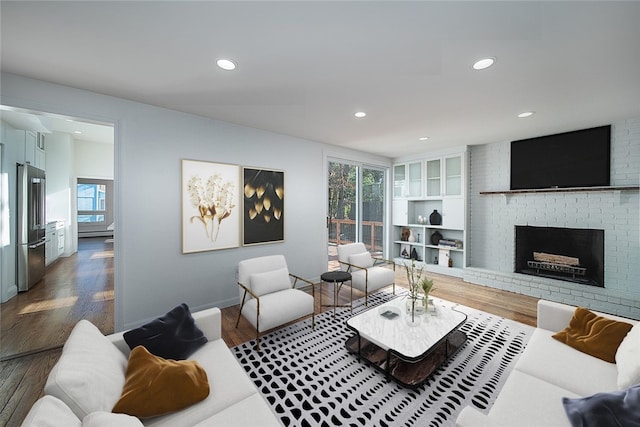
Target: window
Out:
[95,206]
[91,197]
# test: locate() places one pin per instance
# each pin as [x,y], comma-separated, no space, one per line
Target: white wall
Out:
[60,188]
[492,218]
[93,160]
[152,275]
[13,151]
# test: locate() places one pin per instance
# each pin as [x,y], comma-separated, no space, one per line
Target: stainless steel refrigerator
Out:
[31,198]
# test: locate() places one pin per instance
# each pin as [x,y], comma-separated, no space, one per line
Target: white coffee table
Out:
[407,353]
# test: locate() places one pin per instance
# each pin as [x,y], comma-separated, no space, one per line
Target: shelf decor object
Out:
[435,238]
[210,200]
[435,218]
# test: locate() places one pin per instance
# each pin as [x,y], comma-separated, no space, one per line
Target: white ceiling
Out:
[78,129]
[305,67]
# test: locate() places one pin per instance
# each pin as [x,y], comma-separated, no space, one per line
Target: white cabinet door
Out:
[453,176]
[399,178]
[30,142]
[434,181]
[400,212]
[415,179]
[453,213]
[407,180]
[60,234]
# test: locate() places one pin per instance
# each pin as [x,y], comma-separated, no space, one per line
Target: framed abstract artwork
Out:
[263,206]
[210,206]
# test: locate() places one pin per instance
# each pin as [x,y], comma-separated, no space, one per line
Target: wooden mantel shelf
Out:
[564,190]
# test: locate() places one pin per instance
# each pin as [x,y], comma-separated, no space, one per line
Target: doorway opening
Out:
[78,280]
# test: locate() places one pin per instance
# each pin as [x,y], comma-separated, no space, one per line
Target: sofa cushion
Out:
[628,359]
[156,386]
[378,277]
[228,382]
[108,419]
[49,411]
[252,411]
[90,373]
[363,259]
[619,408]
[561,365]
[527,401]
[270,281]
[593,334]
[298,304]
[172,336]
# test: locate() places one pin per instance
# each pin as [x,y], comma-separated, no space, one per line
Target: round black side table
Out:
[337,278]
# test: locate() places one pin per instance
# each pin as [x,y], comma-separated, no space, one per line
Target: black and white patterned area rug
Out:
[309,378]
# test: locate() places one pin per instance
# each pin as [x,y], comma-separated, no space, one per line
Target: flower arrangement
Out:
[214,202]
[417,283]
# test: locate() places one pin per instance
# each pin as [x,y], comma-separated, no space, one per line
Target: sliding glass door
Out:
[356,207]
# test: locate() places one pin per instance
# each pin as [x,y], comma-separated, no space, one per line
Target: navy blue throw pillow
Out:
[618,408]
[172,336]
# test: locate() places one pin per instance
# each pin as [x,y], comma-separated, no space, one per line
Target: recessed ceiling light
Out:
[526,114]
[226,64]
[484,63]
[423,138]
[77,132]
[360,114]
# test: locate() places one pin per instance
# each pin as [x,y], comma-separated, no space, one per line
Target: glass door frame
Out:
[375,164]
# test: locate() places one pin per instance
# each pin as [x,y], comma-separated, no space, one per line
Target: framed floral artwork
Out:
[263,206]
[210,206]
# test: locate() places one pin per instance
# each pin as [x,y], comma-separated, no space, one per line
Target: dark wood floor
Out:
[23,378]
[75,287]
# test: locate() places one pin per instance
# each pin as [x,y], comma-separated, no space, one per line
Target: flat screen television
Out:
[572,159]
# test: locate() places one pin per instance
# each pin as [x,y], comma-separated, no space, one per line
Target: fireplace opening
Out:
[570,254]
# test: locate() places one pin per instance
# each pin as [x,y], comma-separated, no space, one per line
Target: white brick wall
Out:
[492,221]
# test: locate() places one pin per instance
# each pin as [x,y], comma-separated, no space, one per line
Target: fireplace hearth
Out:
[569,254]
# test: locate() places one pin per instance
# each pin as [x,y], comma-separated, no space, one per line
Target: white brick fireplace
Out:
[493,217]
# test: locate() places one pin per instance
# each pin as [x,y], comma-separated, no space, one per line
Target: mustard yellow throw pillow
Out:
[155,386]
[594,335]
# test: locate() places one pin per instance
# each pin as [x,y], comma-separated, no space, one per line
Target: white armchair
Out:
[368,274]
[269,295]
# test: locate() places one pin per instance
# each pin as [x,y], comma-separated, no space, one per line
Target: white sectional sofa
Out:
[83,386]
[547,371]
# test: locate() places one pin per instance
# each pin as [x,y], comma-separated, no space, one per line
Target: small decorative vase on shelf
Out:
[435,218]
[435,238]
[414,254]
[411,238]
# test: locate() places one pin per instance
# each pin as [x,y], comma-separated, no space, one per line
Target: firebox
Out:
[570,254]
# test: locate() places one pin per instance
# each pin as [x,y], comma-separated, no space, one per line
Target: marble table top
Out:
[395,333]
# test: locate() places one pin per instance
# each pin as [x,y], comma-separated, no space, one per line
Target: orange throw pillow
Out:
[594,335]
[155,386]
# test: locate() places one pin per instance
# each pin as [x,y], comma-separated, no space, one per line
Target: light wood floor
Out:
[22,379]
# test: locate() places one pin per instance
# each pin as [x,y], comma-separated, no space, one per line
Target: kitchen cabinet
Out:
[34,149]
[54,241]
